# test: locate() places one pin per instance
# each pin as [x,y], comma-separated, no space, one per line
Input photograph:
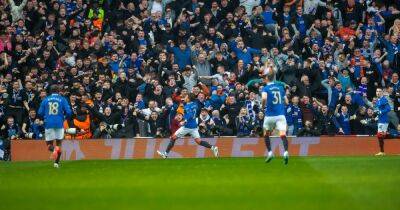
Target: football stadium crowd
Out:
[126,65]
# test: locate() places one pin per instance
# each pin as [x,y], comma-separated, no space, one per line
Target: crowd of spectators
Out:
[126,65]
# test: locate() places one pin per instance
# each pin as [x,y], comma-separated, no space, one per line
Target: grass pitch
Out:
[191,184]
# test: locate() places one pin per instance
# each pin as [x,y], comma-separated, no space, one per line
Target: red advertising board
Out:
[145,148]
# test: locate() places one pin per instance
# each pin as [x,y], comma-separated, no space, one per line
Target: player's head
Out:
[179,117]
[269,70]
[54,89]
[269,76]
[379,92]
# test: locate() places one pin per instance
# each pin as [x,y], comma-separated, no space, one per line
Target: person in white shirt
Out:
[219,77]
[249,4]
[310,6]
[16,11]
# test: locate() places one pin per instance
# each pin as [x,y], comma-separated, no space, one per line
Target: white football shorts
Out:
[383,127]
[275,122]
[54,134]
[182,131]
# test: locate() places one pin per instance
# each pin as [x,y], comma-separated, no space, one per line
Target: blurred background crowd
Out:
[125,65]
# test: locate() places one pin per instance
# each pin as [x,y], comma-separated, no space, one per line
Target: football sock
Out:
[267,143]
[205,144]
[58,158]
[170,145]
[285,143]
[381,144]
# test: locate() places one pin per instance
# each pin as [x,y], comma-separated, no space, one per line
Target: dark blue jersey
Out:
[296,114]
[190,115]
[275,99]
[343,121]
[54,109]
[382,104]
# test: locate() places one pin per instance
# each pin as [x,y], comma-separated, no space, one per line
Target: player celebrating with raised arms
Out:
[383,108]
[54,109]
[273,101]
[188,126]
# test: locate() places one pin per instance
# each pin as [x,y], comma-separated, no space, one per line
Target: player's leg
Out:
[59,136]
[195,134]
[178,134]
[50,137]
[382,129]
[267,126]
[281,126]
[50,146]
[59,152]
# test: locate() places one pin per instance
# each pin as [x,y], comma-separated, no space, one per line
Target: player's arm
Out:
[264,96]
[67,109]
[42,108]
[183,122]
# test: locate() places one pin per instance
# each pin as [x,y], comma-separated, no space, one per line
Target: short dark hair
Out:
[54,88]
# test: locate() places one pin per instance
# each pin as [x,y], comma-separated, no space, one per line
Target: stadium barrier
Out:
[145,148]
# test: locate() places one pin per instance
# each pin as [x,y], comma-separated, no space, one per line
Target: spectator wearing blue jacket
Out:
[335,92]
[294,116]
[342,120]
[244,123]
[114,63]
[392,47]
[133,62]
[218,97]
[242,52]
[32,127]
[182,54]
[202,102]
[268,18]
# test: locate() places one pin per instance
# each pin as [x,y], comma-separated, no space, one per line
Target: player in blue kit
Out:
[54,109]
[273,100]
[382,110]
[188,127]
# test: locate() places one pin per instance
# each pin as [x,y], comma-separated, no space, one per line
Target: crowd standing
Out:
[125,65]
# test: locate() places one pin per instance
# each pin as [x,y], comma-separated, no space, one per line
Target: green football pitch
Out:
[226,183]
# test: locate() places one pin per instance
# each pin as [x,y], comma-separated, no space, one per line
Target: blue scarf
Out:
[250,110]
